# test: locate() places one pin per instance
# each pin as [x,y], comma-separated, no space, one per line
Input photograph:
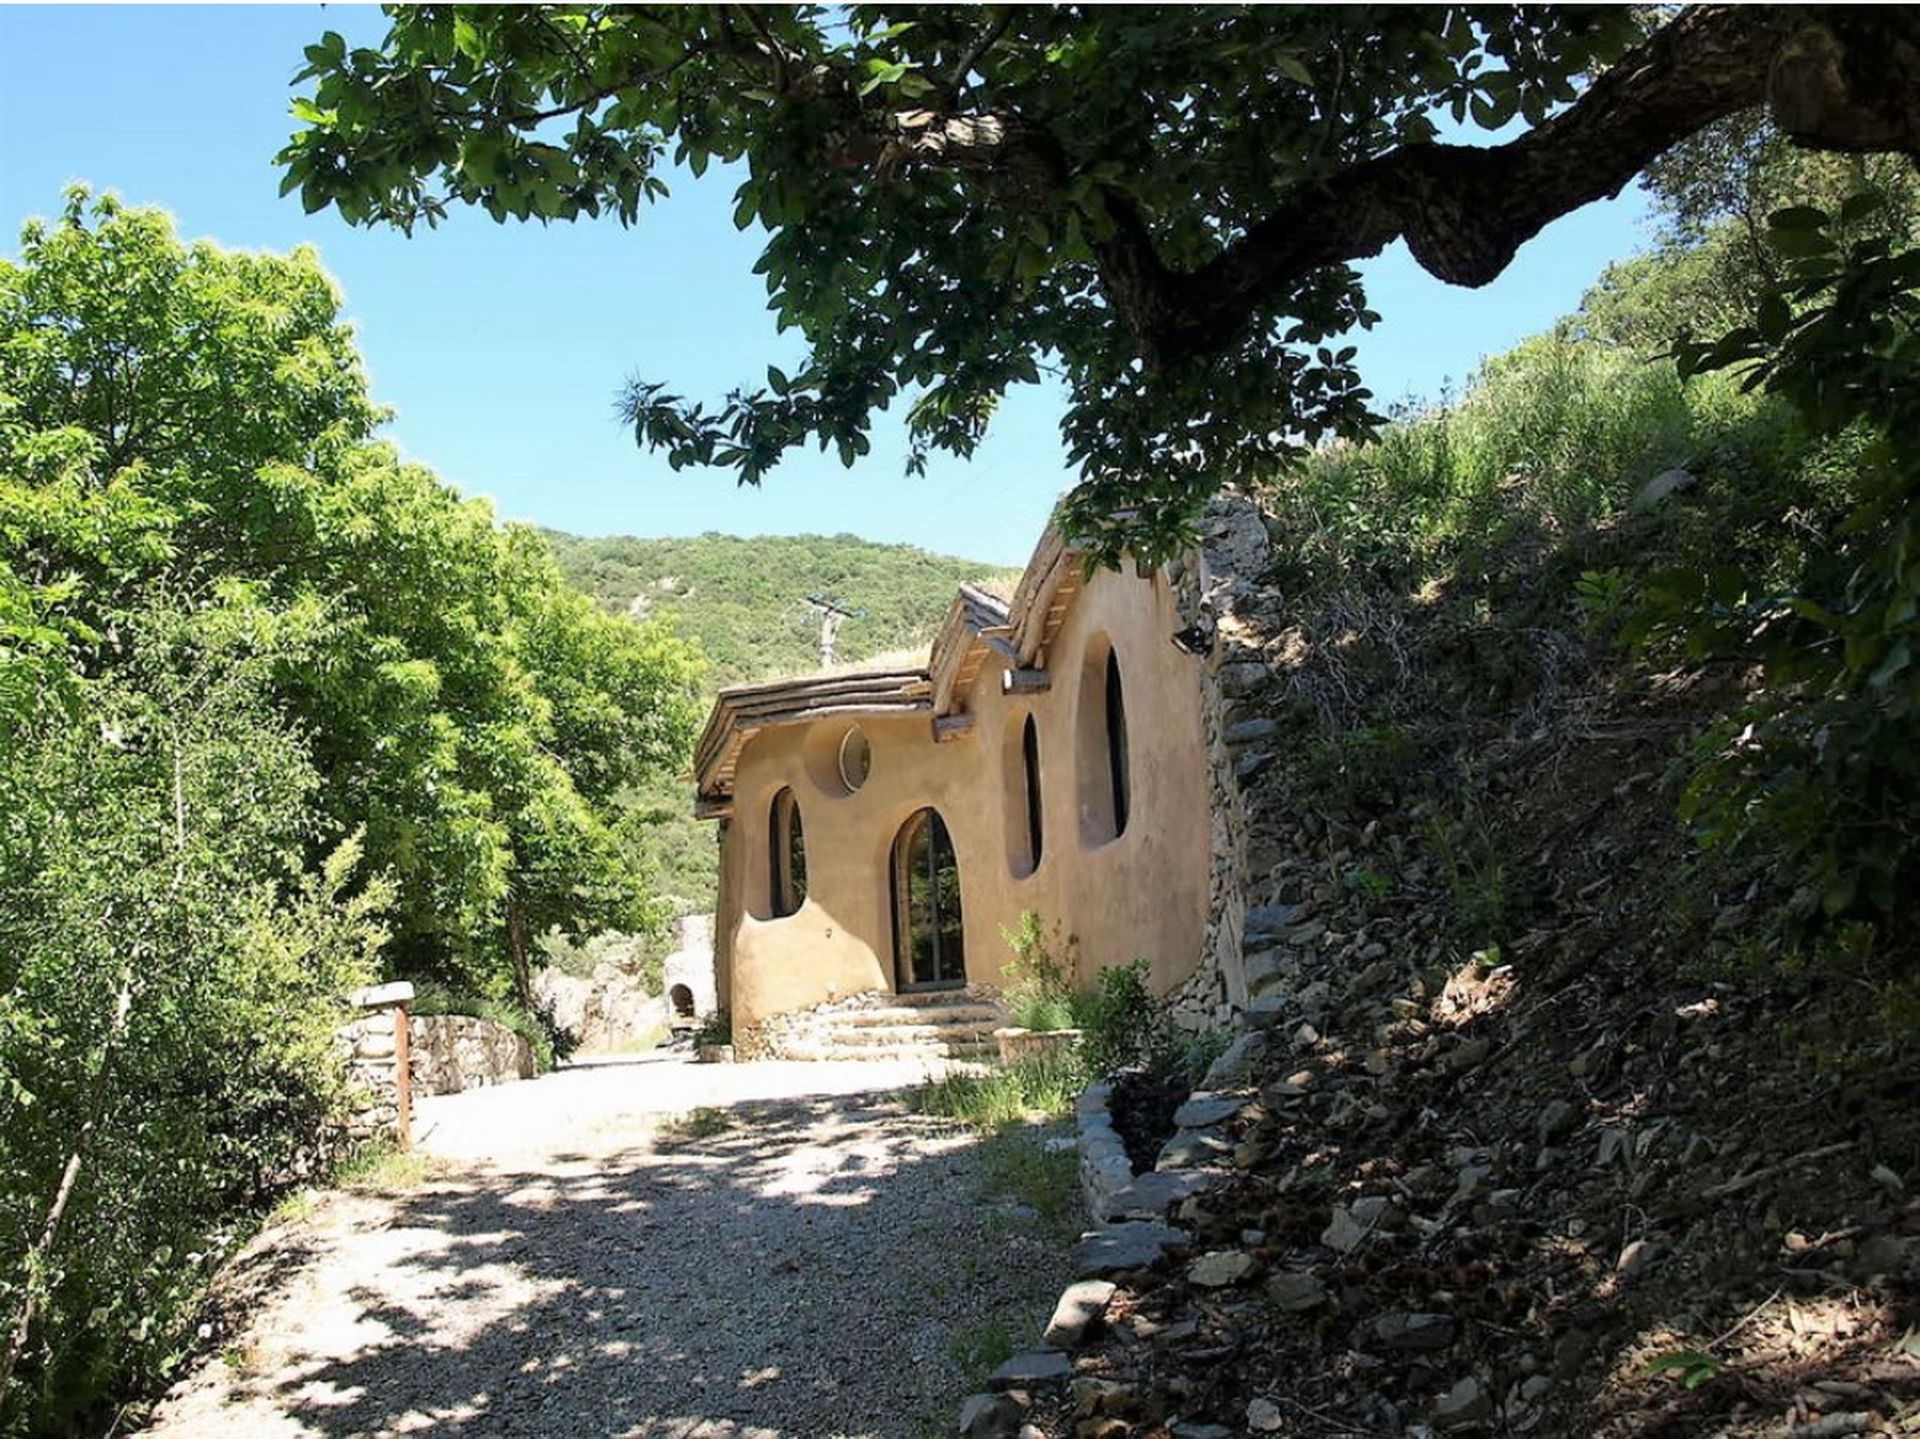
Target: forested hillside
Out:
[745,600]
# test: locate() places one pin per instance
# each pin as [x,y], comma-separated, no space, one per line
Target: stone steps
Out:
[870,1035]
[936,1026]
[924,1016]
[923,1050]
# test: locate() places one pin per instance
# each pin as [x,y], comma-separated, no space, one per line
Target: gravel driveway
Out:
[825,1264]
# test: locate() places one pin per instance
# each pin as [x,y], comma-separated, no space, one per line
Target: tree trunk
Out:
[517,948]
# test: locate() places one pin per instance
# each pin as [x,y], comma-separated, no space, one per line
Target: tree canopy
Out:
[191,425]
[1158,204]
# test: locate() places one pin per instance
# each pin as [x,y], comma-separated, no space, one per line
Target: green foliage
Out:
[277,712]
[1047,1182]
[1173,126]
[704,1122]
[1480,873]
[1126,1023]
[1042,974]
[1694,1367]
[170,975]
[190,420]
[716,1028]
[979,1349]
[1824,767]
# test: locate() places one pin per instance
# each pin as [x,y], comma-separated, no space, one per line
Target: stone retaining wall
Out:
[452,1052]
[1209,586]
[366,1047]
[446,1053]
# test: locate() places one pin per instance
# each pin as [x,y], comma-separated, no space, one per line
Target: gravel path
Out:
[579,1269]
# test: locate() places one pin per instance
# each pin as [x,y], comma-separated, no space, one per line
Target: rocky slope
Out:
[1546,1125]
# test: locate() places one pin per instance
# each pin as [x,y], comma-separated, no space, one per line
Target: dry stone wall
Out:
[1212,585]
[452,1052]
[446,1053]
[366,1047]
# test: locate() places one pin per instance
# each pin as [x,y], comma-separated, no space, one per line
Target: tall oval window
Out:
[1119,776]
[1102,768]
[1030,771]
[786,856]
[1020,803]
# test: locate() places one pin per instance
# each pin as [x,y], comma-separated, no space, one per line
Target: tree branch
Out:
[1846,80]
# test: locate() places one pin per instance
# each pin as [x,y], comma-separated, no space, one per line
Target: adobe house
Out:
[1057,752]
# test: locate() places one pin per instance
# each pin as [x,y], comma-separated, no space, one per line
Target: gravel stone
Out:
[575,1270]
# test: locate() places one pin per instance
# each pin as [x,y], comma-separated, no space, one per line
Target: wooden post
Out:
[403,1069]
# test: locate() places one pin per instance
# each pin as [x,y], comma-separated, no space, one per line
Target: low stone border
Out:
[1017,1044]
[1105,1169]
[1131,1233]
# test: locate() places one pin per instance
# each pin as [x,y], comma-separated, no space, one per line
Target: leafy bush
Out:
[716,1028]
[1042,972]
[170,981]
[1126,1023]
[1824,767]
[477,716]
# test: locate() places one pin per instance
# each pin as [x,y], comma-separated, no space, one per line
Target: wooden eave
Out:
[744,709]
[978,629]
[962,645]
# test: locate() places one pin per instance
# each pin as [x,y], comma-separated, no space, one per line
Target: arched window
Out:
[1117,771]
[786,856]
[1101,766]
[929,942]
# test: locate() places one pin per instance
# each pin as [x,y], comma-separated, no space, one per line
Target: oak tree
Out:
[1162,205]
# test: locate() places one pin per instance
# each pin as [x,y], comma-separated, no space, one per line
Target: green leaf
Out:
[1862,204]
[1290,65]
[466,38]
[1775,318]
[1797,217]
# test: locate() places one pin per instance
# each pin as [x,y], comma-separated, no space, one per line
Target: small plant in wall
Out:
[1040,997]
[713,1041]
[1040,975]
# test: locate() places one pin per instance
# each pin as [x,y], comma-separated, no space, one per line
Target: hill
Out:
[745,599]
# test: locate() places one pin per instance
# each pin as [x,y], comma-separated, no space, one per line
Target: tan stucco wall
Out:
[1142,895]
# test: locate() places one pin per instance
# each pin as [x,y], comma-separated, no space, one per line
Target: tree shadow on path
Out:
[802,1272]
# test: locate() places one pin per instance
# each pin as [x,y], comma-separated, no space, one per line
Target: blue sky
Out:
[502,347]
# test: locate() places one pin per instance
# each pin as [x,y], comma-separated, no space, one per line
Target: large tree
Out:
[1161,204]
[189,423]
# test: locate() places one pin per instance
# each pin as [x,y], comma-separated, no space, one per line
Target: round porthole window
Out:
[856,759]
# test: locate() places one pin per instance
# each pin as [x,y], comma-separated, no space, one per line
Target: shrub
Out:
[716,1028]
[1127,1025]
[1041,995]
[169,988]
[1822,768]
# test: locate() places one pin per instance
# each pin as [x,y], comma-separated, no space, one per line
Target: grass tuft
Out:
[992,1099]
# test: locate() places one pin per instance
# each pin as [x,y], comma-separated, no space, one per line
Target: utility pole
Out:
[832,612]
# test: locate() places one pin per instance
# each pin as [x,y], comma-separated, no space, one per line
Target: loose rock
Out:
[1222,1267]
[1080,1309]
